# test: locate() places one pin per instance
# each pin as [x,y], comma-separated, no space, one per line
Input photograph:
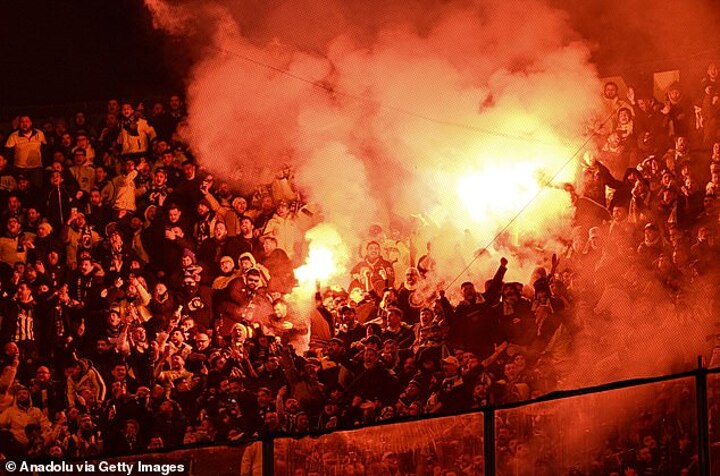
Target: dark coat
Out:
[375,382]
[474,326]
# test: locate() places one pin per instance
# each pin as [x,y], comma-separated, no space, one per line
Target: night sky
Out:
[66,51]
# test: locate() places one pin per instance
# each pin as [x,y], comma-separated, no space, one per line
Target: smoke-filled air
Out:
[457,124]
[447,123]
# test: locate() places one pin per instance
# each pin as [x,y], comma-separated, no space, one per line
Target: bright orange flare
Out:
[326,259]
[498,191]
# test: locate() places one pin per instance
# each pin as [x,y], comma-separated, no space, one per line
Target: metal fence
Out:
[553,434]
[560,431]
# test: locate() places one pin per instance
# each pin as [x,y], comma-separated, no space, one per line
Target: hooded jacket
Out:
[264,272]
[285,232]
[15,419]
[280,269]
[89,378]
[226,213]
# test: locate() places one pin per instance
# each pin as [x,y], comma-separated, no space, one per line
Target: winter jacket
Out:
[279,267]
[13,249]
[74,239]
[59,201]
[125,191]
[285,232]
[90,379]
[84,175]
[135,136]
[16,419]
[226,213]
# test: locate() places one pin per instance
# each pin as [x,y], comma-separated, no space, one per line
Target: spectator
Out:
[78,236]
[135,133]
[213,348]
[21,321]
[282,227]
[82,171]
[373,273]
[15,243]
[219,245]
[18,416]
[278,265]
[125,190]
[82,375]
[60,200]
[7,180]
[27,144]
[190,188]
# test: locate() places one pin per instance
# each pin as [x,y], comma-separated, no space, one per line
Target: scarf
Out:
[130,126]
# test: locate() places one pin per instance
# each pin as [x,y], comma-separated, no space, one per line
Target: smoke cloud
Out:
[446,117]
[449,112]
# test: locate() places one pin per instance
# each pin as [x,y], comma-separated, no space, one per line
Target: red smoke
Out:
[454,113]
[391,109]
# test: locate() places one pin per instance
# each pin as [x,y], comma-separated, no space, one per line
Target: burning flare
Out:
[326,260]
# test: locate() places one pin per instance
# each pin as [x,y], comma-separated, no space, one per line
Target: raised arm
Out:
[493,292]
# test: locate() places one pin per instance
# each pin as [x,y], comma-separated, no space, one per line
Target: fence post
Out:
[702,418]
[489,441]
[268,456]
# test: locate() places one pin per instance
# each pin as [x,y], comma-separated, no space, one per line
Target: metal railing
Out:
[489,414]
[255,456]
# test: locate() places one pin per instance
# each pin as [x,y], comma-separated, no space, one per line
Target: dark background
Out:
[72,51]
[78,52]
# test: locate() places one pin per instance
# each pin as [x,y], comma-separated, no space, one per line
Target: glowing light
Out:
[498,191]
[320,265]
[495,181]
[326,259]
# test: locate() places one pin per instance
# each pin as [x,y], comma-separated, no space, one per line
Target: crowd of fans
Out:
[448,446]
[144,302]
[634,432]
